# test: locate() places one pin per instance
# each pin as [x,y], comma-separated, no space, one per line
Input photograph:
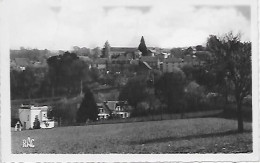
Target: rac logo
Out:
[28,143]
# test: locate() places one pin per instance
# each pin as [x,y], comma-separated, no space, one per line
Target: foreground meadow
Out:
[200,135]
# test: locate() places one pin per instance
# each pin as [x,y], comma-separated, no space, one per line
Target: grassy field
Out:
[200,135]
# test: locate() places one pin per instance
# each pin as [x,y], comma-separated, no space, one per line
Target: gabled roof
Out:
[111,104]
[146,65]
[103,106]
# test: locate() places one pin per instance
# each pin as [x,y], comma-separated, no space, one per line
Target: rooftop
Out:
[32,107]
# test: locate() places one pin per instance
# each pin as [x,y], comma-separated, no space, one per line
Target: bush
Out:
[36,123]
[194,95]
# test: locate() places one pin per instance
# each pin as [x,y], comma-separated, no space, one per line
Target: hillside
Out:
[201,135]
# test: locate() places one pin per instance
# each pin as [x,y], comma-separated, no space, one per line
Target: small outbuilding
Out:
[18,126]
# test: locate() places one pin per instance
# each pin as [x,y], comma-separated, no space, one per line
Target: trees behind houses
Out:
[228,73]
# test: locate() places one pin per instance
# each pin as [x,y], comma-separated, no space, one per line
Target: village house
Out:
[29,114]
[115,109]
[169,64]
[119,109]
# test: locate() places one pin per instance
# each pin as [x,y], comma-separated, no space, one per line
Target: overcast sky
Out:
[61,24]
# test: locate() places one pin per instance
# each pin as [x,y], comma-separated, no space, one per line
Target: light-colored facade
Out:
[29,113]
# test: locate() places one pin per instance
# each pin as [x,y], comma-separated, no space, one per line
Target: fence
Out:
[150,118]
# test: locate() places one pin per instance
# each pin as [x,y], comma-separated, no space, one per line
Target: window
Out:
[118,108]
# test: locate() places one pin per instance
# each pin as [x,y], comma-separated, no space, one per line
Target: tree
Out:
[96,53]
[28,82]
[233,57]
[66,72]
[204,76]
[142,47]
[200,48]
[106,50]
[134,91]
[170,90]
[88,108]
[193,94]
[36,123]
[81,51]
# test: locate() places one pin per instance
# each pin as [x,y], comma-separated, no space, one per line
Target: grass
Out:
[200,135]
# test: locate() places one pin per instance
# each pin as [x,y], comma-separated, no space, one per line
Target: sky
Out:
[62,24]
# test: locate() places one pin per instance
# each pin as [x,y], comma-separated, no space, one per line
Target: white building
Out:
[29,113]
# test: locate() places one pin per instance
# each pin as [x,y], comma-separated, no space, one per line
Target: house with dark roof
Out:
[115,109]
[120,109]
